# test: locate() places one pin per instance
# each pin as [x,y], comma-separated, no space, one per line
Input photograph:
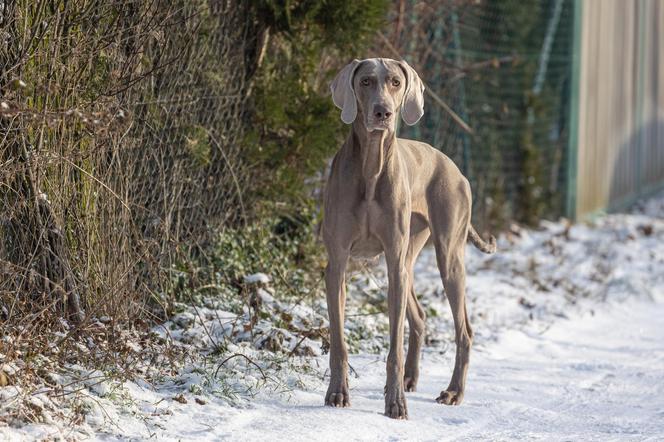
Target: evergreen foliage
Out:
[296,126]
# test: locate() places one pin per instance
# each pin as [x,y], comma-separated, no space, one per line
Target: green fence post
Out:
[573,140]
[639,124]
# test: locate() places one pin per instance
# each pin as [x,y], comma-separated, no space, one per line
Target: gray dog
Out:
[387,194]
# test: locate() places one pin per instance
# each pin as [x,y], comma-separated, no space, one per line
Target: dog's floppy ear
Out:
[343,93]
[412,107]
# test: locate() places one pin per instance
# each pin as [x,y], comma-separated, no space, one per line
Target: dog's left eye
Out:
[396,83]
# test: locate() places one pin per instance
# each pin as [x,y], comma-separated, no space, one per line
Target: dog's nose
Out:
[381,112]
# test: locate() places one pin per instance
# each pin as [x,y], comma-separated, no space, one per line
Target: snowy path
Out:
[595,377]
[544,366]
[569,345]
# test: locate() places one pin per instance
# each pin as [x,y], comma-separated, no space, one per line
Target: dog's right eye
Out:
[365,82]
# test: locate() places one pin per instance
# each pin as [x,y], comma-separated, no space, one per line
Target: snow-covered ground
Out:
[595,377]
[569,326]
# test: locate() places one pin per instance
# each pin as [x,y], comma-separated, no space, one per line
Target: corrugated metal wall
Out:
[620,97]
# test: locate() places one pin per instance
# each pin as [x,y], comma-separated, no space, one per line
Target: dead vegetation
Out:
[120,134]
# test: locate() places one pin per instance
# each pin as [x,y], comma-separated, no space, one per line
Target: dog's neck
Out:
[375,150]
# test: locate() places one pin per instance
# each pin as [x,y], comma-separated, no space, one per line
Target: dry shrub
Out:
[119,144]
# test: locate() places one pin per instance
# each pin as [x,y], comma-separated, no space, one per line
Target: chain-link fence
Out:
[504,68]
[120,135]
[122,124]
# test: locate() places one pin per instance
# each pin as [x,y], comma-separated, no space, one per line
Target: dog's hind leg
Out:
[453,273]
[415,315]
[450,229]
[416,328]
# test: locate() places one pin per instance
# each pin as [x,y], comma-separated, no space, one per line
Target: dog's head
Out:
[378,88]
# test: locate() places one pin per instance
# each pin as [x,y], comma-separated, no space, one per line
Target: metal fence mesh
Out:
[504,67]
[120,141]
[121,130]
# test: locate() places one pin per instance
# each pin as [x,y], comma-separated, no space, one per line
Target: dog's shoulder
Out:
[422,151]
[425,158]
[414,145]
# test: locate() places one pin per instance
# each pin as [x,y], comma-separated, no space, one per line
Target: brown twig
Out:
[249,360]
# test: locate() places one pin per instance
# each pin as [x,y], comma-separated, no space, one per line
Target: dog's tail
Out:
[484,246]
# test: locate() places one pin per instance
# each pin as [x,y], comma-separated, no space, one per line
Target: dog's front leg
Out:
[337,392]
[397,297]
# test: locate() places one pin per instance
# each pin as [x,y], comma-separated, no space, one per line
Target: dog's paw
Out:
[396,407]
[337,397]
[410,383]
[450,397]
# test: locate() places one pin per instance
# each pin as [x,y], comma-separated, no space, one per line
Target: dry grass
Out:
[120,132]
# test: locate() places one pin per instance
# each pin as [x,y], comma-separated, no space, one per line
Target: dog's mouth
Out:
[384,124]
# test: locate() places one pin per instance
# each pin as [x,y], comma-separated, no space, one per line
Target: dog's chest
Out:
[365,213]
[369,215]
